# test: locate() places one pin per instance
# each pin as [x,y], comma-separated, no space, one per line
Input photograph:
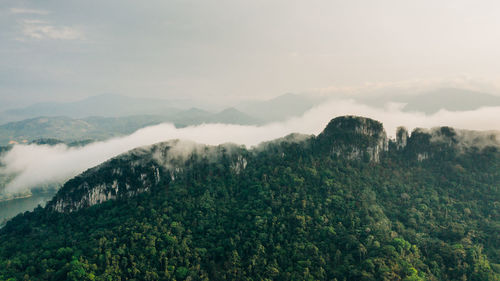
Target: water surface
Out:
[11,208]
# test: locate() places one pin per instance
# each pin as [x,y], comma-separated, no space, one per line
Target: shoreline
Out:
[17,197]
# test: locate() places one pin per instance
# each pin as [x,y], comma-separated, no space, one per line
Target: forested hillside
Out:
[348,204]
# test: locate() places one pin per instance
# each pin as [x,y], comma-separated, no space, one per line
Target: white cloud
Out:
[28,11]
[39,29]
[37,165]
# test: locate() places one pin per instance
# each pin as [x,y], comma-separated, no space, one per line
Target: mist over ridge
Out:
[39,165]
[250,140]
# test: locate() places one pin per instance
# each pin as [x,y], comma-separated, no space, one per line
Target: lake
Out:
[11,208]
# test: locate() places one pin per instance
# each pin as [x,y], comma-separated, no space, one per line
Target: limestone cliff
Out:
[348,138]
[354,138]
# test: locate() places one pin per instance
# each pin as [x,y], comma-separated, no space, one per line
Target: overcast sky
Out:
[66,50]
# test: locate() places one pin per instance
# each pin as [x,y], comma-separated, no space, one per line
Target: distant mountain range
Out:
[280,108]
[450,99]
[68,129]
[105,116]
[112,105]
[106,105]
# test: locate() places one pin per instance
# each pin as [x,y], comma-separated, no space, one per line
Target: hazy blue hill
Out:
[62,128]
[60,123]
[196,116]
[106,105]
[68,129]
[104,116]
[451,99]
[112,105]
[126,124]
[233,116]
[279,108]
[190,116]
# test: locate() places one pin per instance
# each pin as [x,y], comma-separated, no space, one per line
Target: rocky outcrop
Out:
[443,142]
[354,138]
[141,170]
[349,137]
[114,179]
[401,138]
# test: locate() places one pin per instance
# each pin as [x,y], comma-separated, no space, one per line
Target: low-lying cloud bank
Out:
[40,165]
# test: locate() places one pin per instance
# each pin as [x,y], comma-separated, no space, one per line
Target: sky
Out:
[228,49]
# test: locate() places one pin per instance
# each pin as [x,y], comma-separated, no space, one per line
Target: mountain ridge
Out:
[297,208]
[347,137]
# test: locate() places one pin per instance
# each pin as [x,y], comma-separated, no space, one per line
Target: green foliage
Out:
[294,213]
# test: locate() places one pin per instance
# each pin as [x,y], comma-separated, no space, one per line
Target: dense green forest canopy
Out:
[345,205]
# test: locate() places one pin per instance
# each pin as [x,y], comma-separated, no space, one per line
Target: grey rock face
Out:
[138,171]
[354,138]
[401,138]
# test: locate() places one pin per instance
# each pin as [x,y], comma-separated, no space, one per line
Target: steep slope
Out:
[300,208]
[354,138]
[139,171]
